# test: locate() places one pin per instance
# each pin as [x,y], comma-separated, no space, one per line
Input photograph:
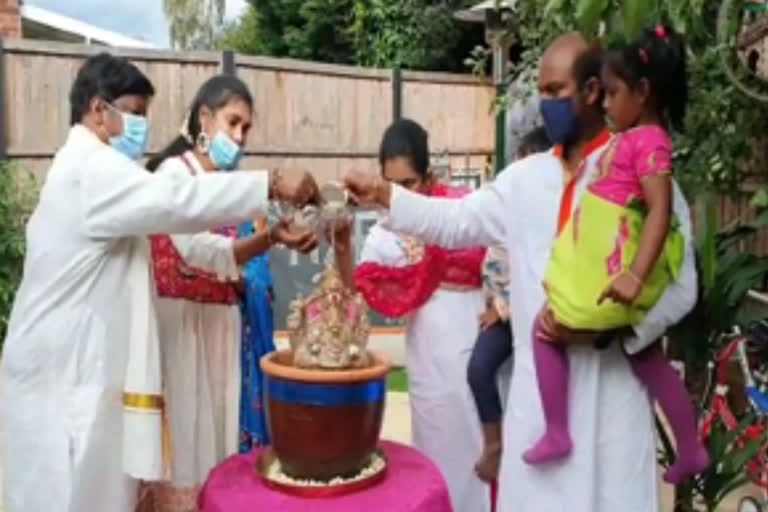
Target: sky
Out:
[143,19]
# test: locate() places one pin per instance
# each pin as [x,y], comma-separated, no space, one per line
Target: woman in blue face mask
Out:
[213,301]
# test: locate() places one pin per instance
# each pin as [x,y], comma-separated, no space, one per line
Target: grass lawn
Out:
[398,380]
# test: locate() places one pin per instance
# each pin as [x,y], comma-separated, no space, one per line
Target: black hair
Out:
[406,138]
[107,77]
[658,55]
[588,65]
[214,94]
[535,141]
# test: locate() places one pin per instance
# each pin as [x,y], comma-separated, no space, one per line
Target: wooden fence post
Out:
[397,93]
[228,62]
[3,154]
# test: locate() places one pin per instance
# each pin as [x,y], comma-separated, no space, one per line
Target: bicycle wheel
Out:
[749,504]
[727,44]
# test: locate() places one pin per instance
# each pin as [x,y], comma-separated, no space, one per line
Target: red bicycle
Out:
[718,409]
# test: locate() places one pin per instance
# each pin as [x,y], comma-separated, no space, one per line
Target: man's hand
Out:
[551,331]
[302,240]
[489,318]
[293,186]
[367,189]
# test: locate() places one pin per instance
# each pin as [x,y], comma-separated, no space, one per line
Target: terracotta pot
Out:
[323,423]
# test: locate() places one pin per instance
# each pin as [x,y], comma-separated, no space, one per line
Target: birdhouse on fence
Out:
[752,43]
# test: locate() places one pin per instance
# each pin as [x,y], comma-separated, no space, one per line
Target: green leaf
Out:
[633,16]
[707,212]
[737,459]
[588,14]
[717,441]
[760,200]
[744,280]
[554,5]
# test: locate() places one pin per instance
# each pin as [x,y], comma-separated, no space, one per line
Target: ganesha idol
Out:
[325,396]
[329,329]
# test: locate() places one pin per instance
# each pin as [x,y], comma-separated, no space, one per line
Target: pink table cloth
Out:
[412,484]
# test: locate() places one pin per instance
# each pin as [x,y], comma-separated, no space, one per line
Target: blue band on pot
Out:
[327,395]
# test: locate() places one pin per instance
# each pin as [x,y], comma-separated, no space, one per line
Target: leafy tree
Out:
[301,29]
[243,36]
[416,34]
[724,136]
[194,24]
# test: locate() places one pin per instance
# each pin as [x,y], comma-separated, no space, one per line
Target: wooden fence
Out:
[325,118]
[322,117]
[737,207]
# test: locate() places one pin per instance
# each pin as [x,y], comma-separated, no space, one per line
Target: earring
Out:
[203,142]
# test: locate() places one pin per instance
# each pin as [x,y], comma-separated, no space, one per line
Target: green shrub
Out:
[17,194]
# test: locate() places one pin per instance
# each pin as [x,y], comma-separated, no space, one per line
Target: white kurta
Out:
[64,357]
[613,466]
[200,345]
[439,340]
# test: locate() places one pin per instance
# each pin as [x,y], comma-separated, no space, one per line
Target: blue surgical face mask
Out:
[224,152]
[559,119]
[133,141]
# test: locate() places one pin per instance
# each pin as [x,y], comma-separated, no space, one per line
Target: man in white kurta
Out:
[65,355]
[613,465]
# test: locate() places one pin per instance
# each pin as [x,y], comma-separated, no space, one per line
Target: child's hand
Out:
[489,318]
[624,289]
[546,325]
[550,331]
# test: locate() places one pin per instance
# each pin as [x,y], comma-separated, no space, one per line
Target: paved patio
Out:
[397,426]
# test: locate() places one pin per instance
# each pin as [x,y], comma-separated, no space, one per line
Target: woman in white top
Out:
[198,313]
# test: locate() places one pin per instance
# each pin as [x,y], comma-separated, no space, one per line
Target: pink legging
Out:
[654,372]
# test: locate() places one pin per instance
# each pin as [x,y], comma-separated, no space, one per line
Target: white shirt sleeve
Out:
[369,252]
[120,198]
[680,296]
[474,220]
[205,251]
[383,247]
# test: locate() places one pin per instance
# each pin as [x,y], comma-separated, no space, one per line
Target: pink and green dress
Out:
[602,237]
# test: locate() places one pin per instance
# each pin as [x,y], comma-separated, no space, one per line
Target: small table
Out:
[412,484]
